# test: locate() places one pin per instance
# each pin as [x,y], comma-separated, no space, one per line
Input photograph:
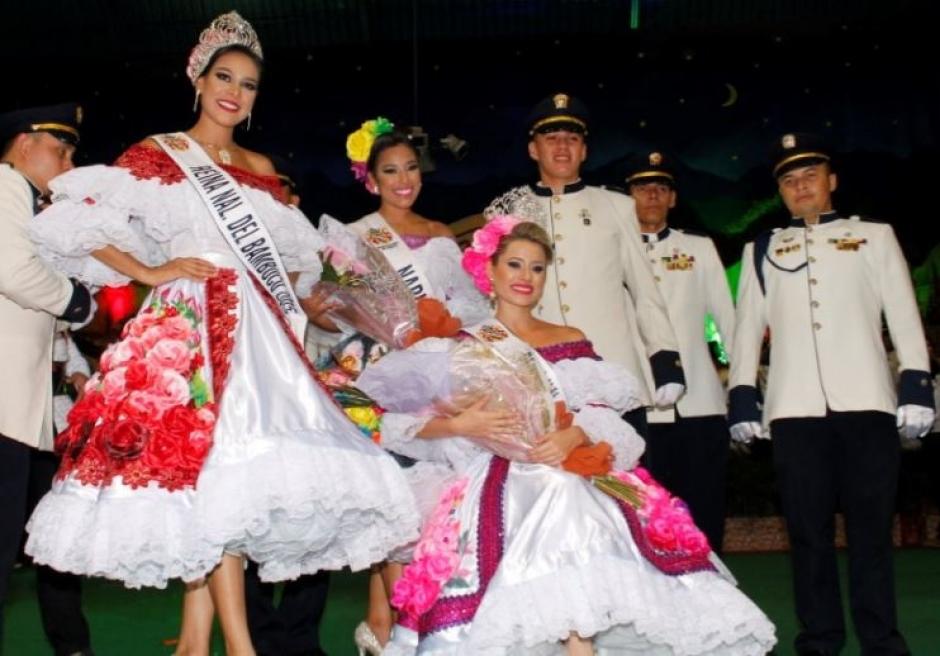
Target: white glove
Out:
[915,420]
[667,394]
[744,432]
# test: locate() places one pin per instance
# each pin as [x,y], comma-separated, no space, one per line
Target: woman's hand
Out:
[191,268]
[78,380]
[553,448]
[316,307]
[493,424]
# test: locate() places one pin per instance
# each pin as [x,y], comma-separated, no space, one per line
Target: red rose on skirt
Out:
[124,439]
[163,451]
[139,375]
[195,449]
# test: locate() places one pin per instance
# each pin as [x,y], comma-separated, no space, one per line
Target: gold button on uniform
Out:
[809,241]
[562,284]
[815,304]
[557,216]
[812,260]
[657,278]
[817,325]
[561,260]
[556,199]
[565,308]
[558,237]
[812,281]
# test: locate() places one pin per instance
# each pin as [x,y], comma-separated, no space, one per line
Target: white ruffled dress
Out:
[545,553]
[439,259]
[288,480]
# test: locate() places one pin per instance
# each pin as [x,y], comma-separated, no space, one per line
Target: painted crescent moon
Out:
[732,95]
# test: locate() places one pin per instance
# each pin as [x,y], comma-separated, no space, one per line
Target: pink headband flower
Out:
[485,242]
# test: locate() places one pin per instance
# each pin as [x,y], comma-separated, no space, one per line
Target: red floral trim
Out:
[292,338]
[145,163]
[456,610]
[221,305]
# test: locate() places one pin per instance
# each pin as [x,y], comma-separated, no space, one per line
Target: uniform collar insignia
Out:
[826,217]
[541,190]
[662,234]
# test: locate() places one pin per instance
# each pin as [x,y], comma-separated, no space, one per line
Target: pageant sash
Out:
[519,354]
[238,221]
[376,232]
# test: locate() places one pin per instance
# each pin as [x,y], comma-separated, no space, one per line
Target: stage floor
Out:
[142,623]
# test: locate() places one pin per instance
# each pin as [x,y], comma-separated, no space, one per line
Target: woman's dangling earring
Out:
[196,102]
[248,126]
[492,295]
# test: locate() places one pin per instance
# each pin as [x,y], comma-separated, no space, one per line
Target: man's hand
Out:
[667,395]
[744,432]
[915,420]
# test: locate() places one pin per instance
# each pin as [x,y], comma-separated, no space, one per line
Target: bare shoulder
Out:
[439,229]
[573,334]
[260,164]
[553,333]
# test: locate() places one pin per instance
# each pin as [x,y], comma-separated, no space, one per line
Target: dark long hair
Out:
[384,142]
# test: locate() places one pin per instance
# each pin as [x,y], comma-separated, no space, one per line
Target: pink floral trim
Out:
[662,527]
[148,414]
[485,242]
[436,557]
[457,610]
[582,348]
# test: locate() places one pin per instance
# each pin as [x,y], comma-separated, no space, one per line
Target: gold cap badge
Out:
[656,159]
[560,100]
[788,141]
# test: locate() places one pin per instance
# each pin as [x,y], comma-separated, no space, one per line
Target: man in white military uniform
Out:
[37,145]
[687,444]
[597,253]
[822,286]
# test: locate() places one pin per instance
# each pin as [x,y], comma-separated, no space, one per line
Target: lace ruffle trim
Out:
[146,163]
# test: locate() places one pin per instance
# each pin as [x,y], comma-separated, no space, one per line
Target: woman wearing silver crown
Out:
[549,539]
[205,438]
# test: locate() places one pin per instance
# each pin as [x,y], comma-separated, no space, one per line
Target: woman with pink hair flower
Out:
[550,539]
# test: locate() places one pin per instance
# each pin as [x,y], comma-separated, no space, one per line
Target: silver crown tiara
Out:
[227,30]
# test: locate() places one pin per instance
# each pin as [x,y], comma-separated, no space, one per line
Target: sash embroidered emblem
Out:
[491,333]
[379,236]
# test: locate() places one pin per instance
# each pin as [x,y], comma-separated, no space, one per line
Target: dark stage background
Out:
[713,82]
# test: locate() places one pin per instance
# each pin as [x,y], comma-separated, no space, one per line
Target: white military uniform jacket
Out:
[31,296]
[826,287]
[692,280]
[597,252]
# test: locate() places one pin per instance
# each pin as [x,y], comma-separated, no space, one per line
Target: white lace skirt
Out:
[288,482]
[561,559]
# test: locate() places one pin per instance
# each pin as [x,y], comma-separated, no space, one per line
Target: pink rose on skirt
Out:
[124,351]
[171,387]
[113,386]
[170,354]
[661,533]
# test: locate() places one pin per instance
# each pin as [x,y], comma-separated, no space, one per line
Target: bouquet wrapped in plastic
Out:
[478,372]
[367,292]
